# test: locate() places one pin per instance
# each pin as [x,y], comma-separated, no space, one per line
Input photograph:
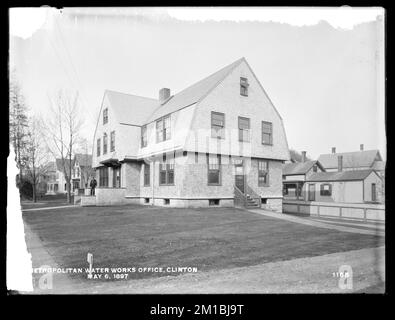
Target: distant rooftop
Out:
[353,175]
[355,159]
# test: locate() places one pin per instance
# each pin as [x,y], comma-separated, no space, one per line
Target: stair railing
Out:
[240,197]
[251,192]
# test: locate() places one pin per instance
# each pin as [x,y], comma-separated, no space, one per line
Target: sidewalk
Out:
[319,224]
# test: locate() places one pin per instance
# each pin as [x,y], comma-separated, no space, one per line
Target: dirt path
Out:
[305,275]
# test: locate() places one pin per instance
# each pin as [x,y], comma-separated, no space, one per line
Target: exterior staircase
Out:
[252,202]
[247,200]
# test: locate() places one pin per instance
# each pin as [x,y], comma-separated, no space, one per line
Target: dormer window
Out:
[163,132]
[105,115]
[244,86]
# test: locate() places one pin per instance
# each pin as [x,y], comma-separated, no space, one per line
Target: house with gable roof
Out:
[82,171]
[355,160]
[219,142]
[295,174]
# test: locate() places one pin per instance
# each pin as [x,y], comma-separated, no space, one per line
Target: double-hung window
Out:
[214,169]
[105,143]
[163,129]
[217,125]
[116,177]
[98,143]
[263,173]
[105,115]
[147,173]
[244,86]
[144,136]
[267,133]
[112,141]
[103,177]
[244,129]
[166,171]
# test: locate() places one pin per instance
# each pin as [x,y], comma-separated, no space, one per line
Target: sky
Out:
[322,68]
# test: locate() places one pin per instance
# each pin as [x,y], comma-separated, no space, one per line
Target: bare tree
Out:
[18,123]
[62,128]
[297,156]
[86,168]
[36,156]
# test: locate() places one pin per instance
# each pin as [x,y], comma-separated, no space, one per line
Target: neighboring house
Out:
[296,174]
[50,177]
[358,160]
[57,182]
[82,171]
[308,181]
[357,186]
[220,137]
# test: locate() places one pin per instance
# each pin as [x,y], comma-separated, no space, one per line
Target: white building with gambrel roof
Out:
[220,142]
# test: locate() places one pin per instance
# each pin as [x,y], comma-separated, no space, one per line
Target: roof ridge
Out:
[129,94]
[211,74]
[231,66]
[347,152]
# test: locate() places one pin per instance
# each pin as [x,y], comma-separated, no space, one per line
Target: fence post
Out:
[340,212]
[364,214]
[318,210]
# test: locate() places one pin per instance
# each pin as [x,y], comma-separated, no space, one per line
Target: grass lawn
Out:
[209,239]
[46,201]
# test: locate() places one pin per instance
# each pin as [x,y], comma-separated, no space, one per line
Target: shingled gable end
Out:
[164,152]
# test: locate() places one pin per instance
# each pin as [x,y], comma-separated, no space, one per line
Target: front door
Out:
[311,192]
[239,175]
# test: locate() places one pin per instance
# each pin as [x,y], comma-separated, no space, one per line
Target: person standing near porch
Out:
[93,186]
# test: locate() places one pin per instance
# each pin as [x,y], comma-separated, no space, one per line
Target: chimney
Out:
[303,156]
[340,163]
[361,147]
[333,150]
[164,94]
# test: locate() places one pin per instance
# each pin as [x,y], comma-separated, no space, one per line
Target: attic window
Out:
[105,115]
[244,86]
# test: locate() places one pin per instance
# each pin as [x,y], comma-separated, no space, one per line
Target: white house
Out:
[220,141]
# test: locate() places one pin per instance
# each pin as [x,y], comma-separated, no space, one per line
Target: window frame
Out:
[103,178]
[325,193]
[219,171]
[147,175]
[105,143]
[213,131]
[165,133]
[266,175]
[244,86]
[167,167]
[105,116]
[115,171]
[270,143]
[112,141]
[242,130]
[144,136]
[98,147]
